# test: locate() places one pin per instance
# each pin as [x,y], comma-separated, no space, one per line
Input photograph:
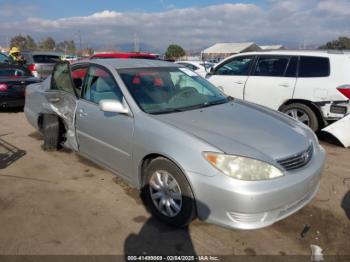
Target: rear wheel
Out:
[51,132]
[303,113]
[168,194]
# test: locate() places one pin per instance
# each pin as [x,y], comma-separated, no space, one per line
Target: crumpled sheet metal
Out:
[65,108]
[340,130]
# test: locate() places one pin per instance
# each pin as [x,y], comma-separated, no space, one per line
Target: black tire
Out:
[313,121]
[51,132]
[188,210]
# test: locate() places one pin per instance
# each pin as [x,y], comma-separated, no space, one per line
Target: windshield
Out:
[168,89]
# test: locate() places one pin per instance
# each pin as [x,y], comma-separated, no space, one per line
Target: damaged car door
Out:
[62,99]
[104,137]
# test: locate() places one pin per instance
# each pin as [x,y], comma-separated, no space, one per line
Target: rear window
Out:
[313,66]
[46,59]
[14,72]
[271,66]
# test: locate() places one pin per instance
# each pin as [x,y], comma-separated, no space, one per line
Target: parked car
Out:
[3,59]
[123,55]
[13,81]
[41,63]
[200,67]
[70,58]
[193,151]
[311,86]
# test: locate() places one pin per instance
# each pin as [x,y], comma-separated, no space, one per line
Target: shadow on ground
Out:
[11,110]
[345,204]
[159,238]
[9,154]
[328,138]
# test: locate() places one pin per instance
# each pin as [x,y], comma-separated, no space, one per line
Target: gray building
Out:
[220,51]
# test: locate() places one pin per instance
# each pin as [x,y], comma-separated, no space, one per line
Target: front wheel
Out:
[168,194]
[302,113]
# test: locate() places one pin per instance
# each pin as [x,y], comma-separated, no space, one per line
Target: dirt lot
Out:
[60,203]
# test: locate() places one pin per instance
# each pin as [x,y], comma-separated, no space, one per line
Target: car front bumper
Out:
[256,204]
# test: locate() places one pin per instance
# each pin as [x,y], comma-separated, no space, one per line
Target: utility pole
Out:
[136,43]
[80,46]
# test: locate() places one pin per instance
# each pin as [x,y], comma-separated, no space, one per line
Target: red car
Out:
[124,55]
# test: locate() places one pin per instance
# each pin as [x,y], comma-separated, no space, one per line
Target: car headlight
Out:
[242,168]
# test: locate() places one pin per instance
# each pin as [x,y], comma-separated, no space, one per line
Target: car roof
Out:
[41,53]
[123,63]
[123,55]
[325,53]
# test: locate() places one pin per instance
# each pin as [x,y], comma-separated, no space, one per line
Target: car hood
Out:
[244,129]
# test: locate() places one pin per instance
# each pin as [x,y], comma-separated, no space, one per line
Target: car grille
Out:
[298,160]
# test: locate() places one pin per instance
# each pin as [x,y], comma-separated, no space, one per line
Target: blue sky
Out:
[194,24]
[64,8]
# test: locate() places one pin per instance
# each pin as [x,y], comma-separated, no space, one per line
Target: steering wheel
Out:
[183,93]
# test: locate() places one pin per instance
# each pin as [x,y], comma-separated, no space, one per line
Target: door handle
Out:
[54,99]
[82,113]
[284,85]
[239,82]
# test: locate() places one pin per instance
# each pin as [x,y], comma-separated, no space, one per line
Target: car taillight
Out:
[31,67]
[3,87]
[345,90]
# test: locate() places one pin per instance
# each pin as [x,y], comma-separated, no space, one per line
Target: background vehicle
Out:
[191,150]
[13,81]
[41,63]
[123,55]
[200,67]
[311,86]
[70,58]
[3,58]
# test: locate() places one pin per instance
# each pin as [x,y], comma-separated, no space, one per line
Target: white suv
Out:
[311,86]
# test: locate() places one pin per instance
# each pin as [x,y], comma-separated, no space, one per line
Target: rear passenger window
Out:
[271,66]
[292,67]
[313,66]
[99,85]
[46,59]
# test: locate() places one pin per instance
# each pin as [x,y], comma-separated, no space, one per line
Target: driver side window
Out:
[78,76]
[237,66]
[99,85]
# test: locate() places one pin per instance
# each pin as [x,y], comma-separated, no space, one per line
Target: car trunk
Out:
[44,64]
[16,86]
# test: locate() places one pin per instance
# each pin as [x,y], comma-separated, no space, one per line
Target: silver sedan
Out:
[191,150]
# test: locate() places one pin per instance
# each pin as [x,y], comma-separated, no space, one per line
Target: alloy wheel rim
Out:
[165,193]
[299,115]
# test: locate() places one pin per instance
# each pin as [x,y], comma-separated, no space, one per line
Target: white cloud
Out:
[288,21]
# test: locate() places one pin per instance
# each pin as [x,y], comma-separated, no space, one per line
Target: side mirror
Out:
[108,105]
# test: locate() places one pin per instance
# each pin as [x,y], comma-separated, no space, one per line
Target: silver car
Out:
[41,63]
[190,149]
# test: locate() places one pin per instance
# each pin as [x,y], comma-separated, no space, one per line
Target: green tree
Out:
[30,45]
[68,47]
[174,51]
[341,43]
[48,44]
[18,41]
